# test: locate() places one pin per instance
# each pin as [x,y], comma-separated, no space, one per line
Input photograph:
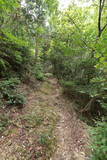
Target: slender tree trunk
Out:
[100,28]
[99,18]
[36,52]
[36,49]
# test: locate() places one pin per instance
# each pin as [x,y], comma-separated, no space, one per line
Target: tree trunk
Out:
[36,50]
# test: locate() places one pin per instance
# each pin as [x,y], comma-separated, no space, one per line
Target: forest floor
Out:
[46,127]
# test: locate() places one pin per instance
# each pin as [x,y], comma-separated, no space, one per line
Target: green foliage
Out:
[13,53]
[9,92]
[4,122]
[34,119]
[18,99]
[39,72]
[7,85]
[99,141]
[80,70]
[6,8]
[70,51]
[75,63]
[45,139]
[11,83]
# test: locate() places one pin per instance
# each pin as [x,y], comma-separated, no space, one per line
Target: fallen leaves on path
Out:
[47,128]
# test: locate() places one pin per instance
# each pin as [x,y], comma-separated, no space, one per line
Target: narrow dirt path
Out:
[46,113]
[71,133]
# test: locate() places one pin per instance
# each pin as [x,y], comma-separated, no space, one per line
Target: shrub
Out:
[9,83]
[14,53]
[80,70]
[99,141]
[9,92]
[39,72]
[82,80]
[18,99]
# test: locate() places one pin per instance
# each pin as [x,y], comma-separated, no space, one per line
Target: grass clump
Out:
[33,119]
[4,122]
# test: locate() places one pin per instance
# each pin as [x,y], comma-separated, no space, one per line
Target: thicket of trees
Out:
[74,40]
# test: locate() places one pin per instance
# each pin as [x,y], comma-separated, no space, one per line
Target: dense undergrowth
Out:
[82,82]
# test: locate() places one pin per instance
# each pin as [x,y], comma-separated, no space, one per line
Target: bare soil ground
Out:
[47,128]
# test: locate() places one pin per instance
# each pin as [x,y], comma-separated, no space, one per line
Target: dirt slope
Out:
[46,127]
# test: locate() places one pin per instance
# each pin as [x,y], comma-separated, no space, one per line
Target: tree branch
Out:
[83,40]
[101,7]
[103,28]
[99,18]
